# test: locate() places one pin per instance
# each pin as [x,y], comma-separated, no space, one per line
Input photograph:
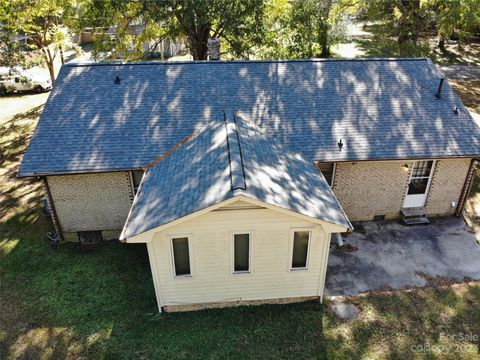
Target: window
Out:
[327,170]
[301,240]
[420,176]
[181,256]
[136,177]
[241,253]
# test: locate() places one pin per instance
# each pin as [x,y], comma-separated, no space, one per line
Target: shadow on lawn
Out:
[403,325]
[100,304]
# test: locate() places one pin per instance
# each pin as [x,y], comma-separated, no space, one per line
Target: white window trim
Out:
[250,252]
[334,170]
[290,258]
[429,177]
[190,258]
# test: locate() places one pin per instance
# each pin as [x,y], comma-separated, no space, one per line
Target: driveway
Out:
[391,255]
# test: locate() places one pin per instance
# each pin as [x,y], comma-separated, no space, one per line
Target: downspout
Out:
[466,187]
[53,211]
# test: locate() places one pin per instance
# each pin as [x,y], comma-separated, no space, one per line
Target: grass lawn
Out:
[63,304]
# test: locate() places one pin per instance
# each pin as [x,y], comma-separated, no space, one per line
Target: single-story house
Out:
[237,173]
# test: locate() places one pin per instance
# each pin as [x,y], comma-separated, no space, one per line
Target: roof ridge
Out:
[237,171]
[198,62]
[167,153]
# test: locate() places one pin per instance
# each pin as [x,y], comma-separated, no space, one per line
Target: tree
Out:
[237,23]
[451,16]
[41,22]
[304,28]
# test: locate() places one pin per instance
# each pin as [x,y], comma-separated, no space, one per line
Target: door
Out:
[419,184]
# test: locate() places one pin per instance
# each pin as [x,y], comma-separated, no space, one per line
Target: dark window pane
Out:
[327,171]
[417,186]
[422,168]
[420,175]
[300,249]
[241,252]
[180,256]
[137,176]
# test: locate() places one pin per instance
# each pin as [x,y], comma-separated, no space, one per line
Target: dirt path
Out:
[460,72]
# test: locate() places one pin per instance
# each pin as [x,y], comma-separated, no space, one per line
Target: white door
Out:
[419,184]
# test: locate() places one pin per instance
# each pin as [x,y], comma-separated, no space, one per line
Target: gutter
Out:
[53,211]
[467,186]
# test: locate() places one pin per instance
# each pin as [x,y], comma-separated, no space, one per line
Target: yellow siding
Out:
[211,259]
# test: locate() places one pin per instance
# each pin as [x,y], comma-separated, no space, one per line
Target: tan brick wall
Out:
[370,188]
[88,202]
[446,186]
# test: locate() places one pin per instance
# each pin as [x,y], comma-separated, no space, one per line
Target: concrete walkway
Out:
[391,255]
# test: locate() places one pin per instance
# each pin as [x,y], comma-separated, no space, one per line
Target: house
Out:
[211,164]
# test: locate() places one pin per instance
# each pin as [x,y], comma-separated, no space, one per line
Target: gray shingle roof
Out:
[380,108]
[223,160]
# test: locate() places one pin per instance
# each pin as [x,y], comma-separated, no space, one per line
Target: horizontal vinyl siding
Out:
[211,259]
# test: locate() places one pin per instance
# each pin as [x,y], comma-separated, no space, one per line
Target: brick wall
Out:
[366,189]
[446,186]
[90,202]
[102,201]
[370,188]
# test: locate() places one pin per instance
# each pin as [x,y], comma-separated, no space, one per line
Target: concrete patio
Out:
[391,255]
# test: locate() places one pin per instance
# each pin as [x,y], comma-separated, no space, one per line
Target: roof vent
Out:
[455,110]
[117,80]
[439,91]
[340,144]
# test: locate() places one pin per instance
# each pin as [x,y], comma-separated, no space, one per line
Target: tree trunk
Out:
[61,54]
[408,26]
[441,44]
[198,43]
[49,61]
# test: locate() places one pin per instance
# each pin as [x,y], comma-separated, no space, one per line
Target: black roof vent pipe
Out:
[439,91]
[340,144]
[117,80]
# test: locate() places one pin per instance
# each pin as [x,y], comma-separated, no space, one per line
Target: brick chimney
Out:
[213,49]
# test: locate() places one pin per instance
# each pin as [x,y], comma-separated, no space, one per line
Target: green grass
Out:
[102,304]
[61,303]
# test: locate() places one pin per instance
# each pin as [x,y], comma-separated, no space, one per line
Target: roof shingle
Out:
[380,108]
[211,168]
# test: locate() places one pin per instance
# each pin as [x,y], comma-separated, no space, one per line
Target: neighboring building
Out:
[228,149]
[163,49]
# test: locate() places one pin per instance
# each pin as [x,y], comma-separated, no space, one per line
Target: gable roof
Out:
[221,161]
[380,108]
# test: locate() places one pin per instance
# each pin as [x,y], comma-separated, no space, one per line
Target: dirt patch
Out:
[469,91]
[434,281]
[347,248]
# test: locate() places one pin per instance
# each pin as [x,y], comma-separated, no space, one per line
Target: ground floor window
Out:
[301,242]
[328,171]
[136,178]
[420,177]
[181,256]
[241,253]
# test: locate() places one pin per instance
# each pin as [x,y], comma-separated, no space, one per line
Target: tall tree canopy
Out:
[238,23]
[407,20]
[42,23]
[304,28]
